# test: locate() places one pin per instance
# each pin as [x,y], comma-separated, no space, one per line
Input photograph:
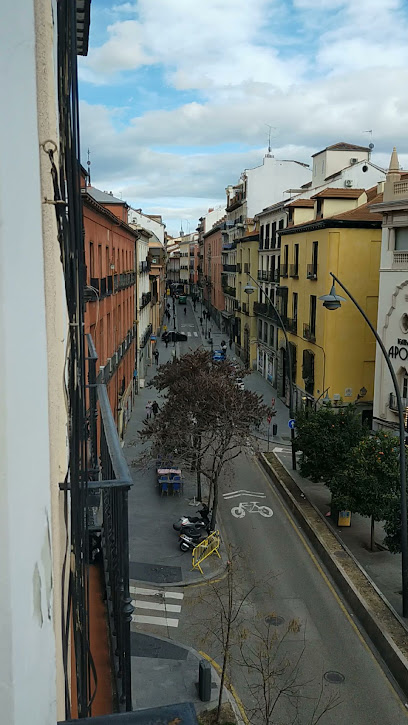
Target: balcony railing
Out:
[311,271]
[145,299]
[294,270]
[283,270]
[247,268]
[146,336]
[266,310]
[291,324]
[267,275]
[229,268]
[245,308]
[309,333]
[239,268]
[393,402]
[276,275]
[231,291]
[110,486]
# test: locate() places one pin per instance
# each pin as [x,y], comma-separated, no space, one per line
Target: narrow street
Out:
[328,640]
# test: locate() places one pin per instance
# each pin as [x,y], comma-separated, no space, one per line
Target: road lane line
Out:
[160,621]
[138,604]
[330,585]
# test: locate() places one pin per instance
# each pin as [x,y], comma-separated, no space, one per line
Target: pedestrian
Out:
[155,408]
[230,343]
[149,409]
[194,305]
[166,340]
[201,321]
[168,305]
[156,356]
[185,310]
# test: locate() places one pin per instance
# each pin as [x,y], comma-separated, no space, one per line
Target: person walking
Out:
[166,340]
[201,321]
[230,343]
[149,409]
[155,408]
[156,356]
[185,310]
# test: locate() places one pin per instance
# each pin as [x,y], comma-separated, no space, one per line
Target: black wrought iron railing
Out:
[112,482]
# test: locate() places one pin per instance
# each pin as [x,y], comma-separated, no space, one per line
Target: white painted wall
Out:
[392,305]
[359,178]
[213,217]
[328,162]
[142,220]
[266,184]
[27,652]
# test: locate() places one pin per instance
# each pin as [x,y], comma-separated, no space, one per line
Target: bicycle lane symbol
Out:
[250,507]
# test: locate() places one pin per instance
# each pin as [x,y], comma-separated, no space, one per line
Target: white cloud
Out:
[337,68]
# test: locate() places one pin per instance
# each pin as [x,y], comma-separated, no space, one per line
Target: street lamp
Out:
[333,301]
[249,289]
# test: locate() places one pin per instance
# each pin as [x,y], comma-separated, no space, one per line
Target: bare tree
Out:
[206,419]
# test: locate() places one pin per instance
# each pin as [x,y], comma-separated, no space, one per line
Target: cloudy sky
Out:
[176,95]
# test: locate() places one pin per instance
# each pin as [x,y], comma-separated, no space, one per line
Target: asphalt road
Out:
[291,583]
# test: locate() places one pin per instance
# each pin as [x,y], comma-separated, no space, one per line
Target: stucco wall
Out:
[27,652]
[267,183]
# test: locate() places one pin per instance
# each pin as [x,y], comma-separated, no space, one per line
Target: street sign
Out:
[292,423]
[269,418]
[273,402]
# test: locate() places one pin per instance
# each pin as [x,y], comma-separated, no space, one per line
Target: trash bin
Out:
[204,681]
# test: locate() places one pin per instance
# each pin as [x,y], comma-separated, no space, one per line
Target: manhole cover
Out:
[336,678]
[274,620]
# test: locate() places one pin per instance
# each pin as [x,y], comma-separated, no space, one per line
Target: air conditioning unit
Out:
[353,161]
[348,183]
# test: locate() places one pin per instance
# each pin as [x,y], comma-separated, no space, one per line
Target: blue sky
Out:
[176,95]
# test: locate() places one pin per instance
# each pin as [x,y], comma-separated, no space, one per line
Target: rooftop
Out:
[333,193]
[104,197]
[301,203]
[343,146]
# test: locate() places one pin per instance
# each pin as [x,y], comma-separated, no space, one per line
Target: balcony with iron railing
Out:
[294,270]
[309,332]
[247,268]
[229,268]
[267,275]
[145,299]
[283,272]
[146,336]
[393,405]
[230,291]
[266,310]
[107,504]
[311,271]
[245,308]
[291,325]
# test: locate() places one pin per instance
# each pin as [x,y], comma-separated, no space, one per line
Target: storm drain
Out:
[336,678]
[274,620]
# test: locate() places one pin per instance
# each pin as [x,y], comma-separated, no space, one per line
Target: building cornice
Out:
[329,224]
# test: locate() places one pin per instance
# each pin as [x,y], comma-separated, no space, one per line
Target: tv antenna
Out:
[269,136]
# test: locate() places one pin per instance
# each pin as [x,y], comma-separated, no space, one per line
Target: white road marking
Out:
[277,450]
[188,333]
[138,604]
[195,334]
[243,492]
[251,507]
[156,592]
[161,621]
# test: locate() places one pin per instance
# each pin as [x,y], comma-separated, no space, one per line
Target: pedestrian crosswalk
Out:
[155,606]
[194,333]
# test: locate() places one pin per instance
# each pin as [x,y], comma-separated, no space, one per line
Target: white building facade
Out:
[392,324]
[143,306]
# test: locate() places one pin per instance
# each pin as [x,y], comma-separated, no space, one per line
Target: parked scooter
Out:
[189,540]
[197,522]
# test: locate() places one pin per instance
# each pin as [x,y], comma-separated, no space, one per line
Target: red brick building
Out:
[110,315]
[212,271]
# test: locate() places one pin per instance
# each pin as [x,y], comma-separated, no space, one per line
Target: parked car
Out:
[240,384]
[172,335]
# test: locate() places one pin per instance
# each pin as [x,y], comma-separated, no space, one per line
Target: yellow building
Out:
[333,351]
[245,320]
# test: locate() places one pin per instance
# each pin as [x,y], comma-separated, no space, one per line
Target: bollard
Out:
[204,681]
[274,429]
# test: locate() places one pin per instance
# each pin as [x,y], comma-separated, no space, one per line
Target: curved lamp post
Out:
[249,289]
[333,301]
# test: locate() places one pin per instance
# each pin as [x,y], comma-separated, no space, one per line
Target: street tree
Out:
[325,437]
[369,483]
[205,420]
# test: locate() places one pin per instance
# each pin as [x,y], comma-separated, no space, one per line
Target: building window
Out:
[405,387]
[91,260]
[294,305]
[259,329]
[273,235]
[281,225]
[261,236]
[267,228]
[401,239]
[265,335]
[313,314]
[271,335]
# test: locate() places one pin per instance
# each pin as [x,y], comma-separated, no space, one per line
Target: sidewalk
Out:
[154,552]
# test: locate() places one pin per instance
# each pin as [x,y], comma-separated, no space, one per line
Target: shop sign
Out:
[399,351]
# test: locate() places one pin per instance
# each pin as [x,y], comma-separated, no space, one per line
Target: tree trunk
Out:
[214,486]
[198,471]
[372,533]
[226,643]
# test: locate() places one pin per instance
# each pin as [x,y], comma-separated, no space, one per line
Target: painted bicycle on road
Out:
[250,507]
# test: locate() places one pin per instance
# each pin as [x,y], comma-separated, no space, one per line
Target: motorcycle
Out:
[197,522]
[189,540]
